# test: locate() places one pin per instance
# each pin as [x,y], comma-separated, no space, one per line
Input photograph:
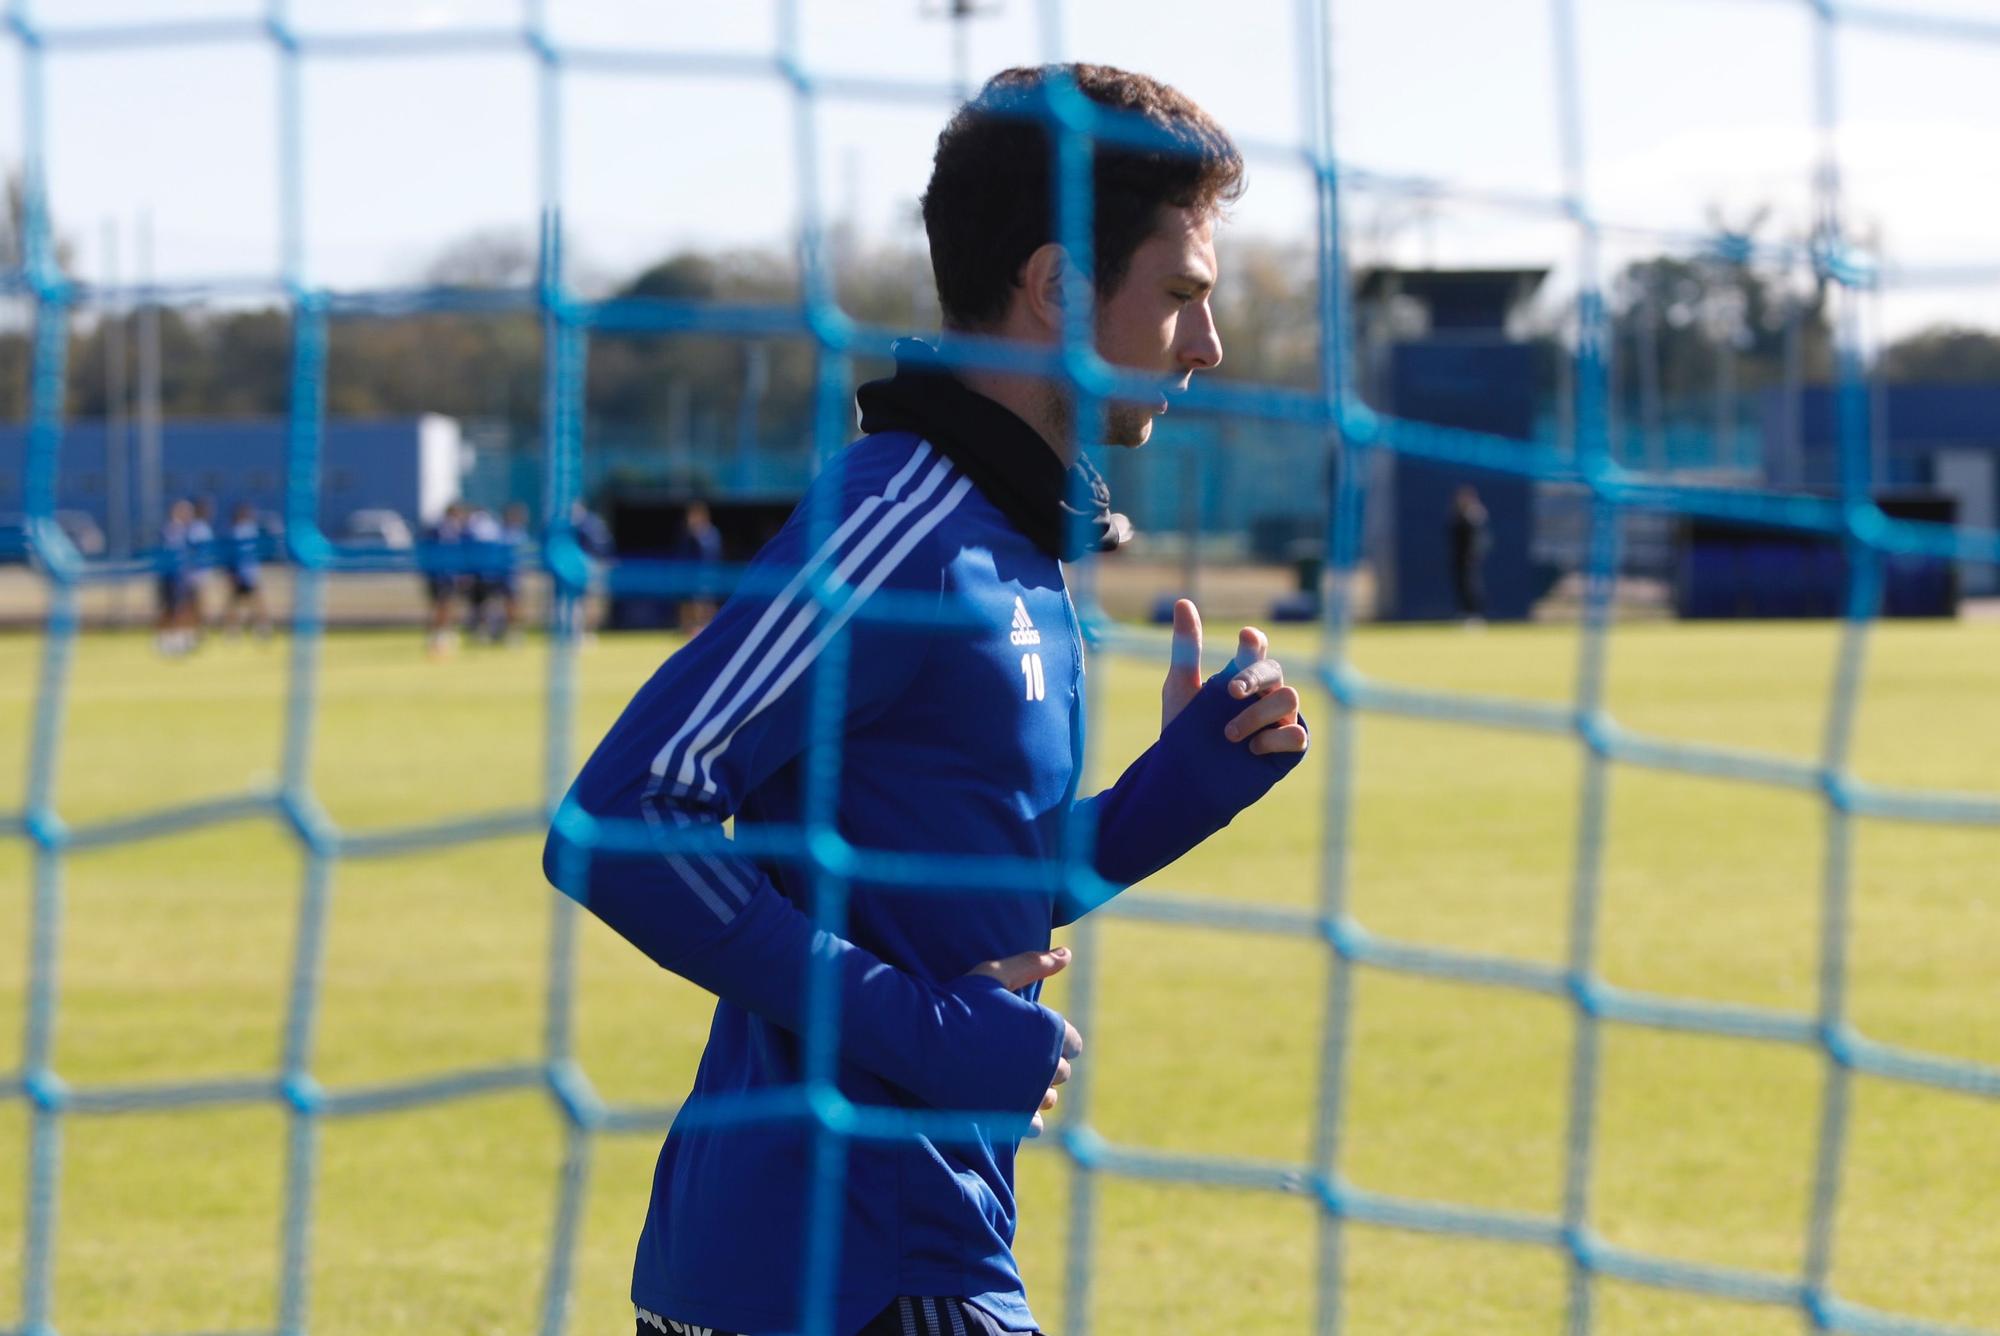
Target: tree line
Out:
[1683,329]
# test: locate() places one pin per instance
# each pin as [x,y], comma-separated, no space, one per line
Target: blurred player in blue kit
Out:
[176,625]
[961,734]
[493,549]
[700,546]
[243,557]
[202,557]
[441,557]
[488,563]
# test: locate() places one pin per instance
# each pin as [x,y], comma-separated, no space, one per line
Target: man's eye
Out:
[1183,297]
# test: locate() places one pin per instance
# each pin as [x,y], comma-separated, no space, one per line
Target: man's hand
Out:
[1271,721]
[1016,973]
[1183,663]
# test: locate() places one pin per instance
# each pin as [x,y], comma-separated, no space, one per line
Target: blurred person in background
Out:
[700,551]
[593,535]
[441,558]
[486,560]
[1469,540]
[174,632]
[202,557]
[243,561]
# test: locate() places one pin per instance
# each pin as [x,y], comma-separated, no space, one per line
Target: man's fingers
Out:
[1186,658]
[1183,664]
[1017,972]
[1280,707]
[1251,645]
[1049,1098]
[1290,738]
[1257,678]
[1072,1046]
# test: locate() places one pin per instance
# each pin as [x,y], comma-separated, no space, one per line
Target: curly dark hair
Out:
[989,205]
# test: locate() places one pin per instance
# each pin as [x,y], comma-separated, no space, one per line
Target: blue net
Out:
[1869,537]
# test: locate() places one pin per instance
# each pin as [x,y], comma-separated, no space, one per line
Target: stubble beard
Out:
[1127,424]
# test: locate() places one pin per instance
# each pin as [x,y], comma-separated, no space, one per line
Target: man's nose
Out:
[1201,348]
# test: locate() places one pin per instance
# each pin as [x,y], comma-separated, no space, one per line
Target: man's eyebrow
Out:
[1193,280]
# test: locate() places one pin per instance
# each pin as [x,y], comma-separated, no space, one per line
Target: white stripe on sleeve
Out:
[774,655]
[718,867]
[868,585]
[680,865]
[782,602]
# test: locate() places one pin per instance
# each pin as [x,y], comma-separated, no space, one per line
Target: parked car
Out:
[81,529]
[377,528]
[83,532]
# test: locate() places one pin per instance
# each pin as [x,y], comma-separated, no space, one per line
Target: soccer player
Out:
[700,546]
[441,557]
[593,535]
[961,734]
[244,559]
[201,558]
[172,633]
[486,558]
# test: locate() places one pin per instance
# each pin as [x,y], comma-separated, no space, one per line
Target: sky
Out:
[1693,110]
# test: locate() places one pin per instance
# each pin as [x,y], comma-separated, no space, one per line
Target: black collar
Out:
[1064,512]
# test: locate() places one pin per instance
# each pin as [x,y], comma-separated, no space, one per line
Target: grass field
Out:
[175,952]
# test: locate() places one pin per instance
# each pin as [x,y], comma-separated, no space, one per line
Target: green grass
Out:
[175,954]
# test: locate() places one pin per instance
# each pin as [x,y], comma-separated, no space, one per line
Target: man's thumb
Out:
[1017,972]
[1186,660]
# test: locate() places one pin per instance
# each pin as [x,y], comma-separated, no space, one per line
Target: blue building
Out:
[413,466]
[1943,439]
[1443,346]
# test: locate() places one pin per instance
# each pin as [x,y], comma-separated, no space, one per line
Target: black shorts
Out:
[176,592]
[924,1315]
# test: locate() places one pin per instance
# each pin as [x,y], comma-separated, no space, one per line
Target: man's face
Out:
[1158,321]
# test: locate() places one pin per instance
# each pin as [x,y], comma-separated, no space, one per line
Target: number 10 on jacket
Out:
[1031,673]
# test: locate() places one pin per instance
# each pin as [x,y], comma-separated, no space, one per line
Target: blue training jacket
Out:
[962,734]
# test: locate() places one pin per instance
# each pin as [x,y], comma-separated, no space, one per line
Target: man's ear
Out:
[1042,286]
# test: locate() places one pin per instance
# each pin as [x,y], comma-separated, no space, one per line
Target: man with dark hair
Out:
[991,200]
[960,734]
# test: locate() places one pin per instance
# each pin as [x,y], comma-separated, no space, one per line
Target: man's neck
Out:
[1030,398]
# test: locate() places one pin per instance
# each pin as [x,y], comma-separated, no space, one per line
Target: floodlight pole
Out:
[1651,419]
[961,49]
[117,449]
[150,511]
[111,342]
[961,13]
[1792,473]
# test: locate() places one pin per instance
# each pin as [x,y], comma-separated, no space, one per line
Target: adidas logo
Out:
[1024,632]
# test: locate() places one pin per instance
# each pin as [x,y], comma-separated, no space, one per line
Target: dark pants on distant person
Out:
[1470,586]
[910,1316]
